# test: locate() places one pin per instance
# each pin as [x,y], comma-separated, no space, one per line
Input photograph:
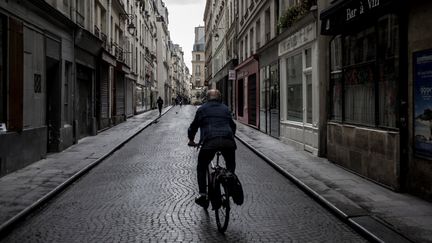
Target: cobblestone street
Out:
[145,192]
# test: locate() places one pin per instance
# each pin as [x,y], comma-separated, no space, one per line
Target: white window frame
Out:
[305,71]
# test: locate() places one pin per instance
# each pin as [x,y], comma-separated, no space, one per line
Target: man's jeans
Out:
[205,156]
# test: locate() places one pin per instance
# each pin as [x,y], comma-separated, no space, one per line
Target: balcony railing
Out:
[251,6]
[118,52]
[105,43]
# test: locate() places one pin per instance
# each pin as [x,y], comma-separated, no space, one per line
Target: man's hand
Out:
[192,143]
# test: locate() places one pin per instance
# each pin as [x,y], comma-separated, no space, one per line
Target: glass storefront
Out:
[364,74]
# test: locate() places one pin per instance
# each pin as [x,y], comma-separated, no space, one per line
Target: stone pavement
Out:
[368,207]
[384,215]
[28,188]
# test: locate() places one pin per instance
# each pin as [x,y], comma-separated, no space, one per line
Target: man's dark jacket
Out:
[214,120]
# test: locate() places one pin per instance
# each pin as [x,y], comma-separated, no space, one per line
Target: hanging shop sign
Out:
[423,103]
[231,75]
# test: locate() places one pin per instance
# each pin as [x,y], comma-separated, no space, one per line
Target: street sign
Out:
[231,75]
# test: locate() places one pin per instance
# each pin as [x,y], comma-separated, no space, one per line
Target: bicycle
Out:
[218,193]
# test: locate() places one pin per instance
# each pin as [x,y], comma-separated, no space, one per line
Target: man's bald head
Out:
[213,94]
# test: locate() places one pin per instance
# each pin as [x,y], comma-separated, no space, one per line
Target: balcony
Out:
[251,6]
[105,43]
[118,52]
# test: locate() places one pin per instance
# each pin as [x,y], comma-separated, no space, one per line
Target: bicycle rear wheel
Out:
[222,213]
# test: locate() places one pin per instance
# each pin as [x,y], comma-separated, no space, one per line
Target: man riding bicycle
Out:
[217,130]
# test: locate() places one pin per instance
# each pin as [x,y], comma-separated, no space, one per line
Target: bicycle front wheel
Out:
[222,213]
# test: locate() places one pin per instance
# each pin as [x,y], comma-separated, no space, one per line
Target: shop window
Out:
[299,84]
[388,66]
[364,84]
[336,79]
[359,86]
[295,90]
[309,97]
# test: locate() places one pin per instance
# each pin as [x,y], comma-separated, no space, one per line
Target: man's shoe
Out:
[202,201]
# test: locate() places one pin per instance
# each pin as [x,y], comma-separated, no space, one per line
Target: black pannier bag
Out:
[232,184]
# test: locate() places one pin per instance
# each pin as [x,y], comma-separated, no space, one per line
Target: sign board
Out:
[231,75]
[299,38]
[336,18]
[423,103]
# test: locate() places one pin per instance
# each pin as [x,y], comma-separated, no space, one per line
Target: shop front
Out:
[247,92]
[299,87]
[365,128]
[269,89]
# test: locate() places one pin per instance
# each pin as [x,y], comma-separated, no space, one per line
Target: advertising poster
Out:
[423,103]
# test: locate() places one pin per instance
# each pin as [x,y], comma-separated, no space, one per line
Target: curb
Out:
[353,222]
[8,225]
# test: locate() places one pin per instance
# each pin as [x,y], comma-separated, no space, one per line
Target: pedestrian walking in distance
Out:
[160,104]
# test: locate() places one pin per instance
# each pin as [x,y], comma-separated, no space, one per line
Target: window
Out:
[79,12]
[246,47]
[258,34]
[198,57]
[251,33]
[370,62]
[197,70]
[267,25]
[299,87]
[241,51]
[308,75]
[294,85]
[336,79]
[388,56]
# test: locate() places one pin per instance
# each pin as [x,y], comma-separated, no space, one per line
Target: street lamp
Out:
[131,27]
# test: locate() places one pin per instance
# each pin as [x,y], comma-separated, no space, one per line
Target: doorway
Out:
[252,100]
[53,104]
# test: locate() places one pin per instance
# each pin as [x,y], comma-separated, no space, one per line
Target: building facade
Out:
[36,85]
[198,65]
[70,69]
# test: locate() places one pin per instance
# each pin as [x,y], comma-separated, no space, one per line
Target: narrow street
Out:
[145,192]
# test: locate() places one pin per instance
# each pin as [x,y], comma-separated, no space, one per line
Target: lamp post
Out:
[131,27]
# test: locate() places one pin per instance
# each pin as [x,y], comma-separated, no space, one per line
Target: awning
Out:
[343,14]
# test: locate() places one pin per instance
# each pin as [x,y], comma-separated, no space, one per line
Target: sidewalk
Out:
[28,188]
[374,210]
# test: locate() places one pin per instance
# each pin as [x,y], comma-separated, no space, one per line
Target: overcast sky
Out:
[184,16]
